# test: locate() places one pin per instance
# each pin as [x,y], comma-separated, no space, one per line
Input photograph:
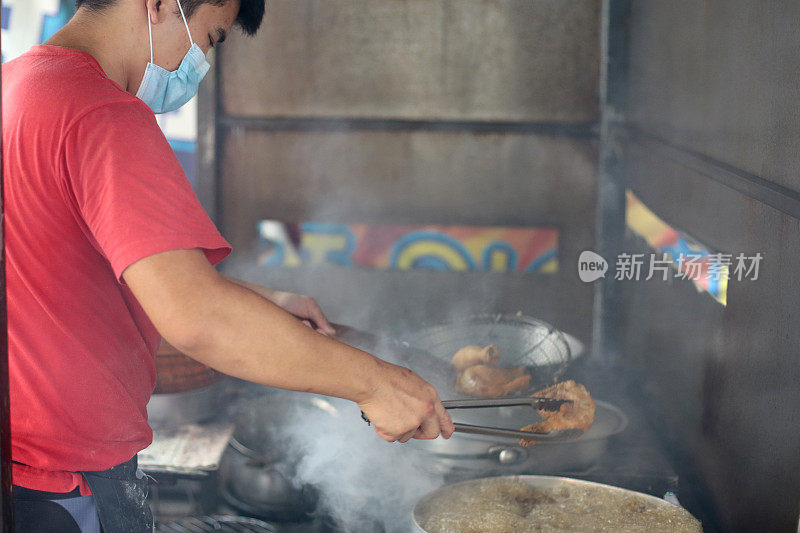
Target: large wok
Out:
[485,454]
[440,502]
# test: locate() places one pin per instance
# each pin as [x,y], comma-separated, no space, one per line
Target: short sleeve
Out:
[130,189]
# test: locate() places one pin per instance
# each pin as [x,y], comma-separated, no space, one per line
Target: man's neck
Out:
[91,33]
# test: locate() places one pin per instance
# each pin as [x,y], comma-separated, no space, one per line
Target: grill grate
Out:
[216,523]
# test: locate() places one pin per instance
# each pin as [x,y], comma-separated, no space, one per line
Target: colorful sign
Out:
[708,270]
[432,247]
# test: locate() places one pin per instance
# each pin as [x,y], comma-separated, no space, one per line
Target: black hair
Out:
[251,12]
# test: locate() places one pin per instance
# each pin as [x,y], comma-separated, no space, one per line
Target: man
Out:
[108,250]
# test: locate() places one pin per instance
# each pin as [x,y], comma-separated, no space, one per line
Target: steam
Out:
[364,482]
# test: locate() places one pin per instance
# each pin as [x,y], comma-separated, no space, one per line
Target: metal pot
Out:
[257,468]
[480,453]
[427,506]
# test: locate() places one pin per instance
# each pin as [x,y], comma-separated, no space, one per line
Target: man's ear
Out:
[155,11]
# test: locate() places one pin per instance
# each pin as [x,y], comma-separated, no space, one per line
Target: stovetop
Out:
[635,460]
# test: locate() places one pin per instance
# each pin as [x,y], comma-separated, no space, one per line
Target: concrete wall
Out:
[713,100]
[721,77]
[454,111]
[512,60]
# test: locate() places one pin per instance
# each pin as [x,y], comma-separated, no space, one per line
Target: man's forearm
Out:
[248,336]
[236,331]
[241,333]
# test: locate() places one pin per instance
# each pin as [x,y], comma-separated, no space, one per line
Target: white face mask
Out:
[166,91]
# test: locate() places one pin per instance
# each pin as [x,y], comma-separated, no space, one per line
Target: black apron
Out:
[120,494]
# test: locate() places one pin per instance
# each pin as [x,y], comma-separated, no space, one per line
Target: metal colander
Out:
[521,340]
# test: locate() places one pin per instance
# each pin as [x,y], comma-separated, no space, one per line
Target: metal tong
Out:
[547,404]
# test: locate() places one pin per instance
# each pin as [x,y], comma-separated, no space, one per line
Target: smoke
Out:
[364,482]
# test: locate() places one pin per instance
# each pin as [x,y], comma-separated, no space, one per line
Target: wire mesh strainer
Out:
[521,340]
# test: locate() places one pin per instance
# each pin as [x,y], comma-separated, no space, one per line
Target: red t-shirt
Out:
[91,187]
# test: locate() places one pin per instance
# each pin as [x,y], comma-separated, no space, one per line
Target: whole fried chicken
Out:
[578,414]
[474,355]
[490,381]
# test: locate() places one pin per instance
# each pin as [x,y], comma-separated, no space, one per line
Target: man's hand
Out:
[303,307]
[404,406]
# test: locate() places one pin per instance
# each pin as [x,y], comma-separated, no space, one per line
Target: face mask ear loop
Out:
[150,31]
[191,41]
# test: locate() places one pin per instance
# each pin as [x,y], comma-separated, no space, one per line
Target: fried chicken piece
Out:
[490,381]
[474,355]
[579,414]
